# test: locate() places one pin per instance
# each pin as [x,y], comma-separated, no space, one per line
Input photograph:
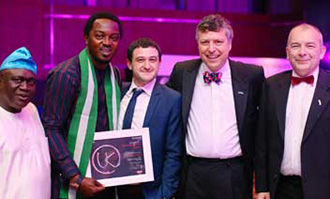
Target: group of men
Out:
[220,122]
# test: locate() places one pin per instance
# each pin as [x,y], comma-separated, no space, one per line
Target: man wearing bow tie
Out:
[219,110]
[292,146]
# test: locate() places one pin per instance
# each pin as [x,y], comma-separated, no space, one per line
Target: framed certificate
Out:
[121,157]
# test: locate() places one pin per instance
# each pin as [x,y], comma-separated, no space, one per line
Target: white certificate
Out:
[121,157]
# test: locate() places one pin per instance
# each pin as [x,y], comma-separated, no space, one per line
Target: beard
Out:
[101,61]
[97,61]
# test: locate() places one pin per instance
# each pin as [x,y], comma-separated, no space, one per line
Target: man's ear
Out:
[129,64]
[86,40]
[1,80]
[323,51]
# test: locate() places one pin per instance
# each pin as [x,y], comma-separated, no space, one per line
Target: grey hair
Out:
[215,23]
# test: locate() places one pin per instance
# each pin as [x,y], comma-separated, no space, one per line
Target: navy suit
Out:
[163,118]
[315,147]
[246,81]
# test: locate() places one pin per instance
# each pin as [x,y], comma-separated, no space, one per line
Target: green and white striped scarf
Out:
[83,123]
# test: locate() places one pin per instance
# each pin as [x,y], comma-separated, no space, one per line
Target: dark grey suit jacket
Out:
[315,146]
[247,81]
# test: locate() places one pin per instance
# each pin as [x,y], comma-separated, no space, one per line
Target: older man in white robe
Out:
[24,153]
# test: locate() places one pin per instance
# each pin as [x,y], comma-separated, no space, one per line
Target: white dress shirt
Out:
[297,109]
[141,106]
[212,125]
[24,155]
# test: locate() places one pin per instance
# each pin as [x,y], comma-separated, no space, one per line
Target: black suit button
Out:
[276,176]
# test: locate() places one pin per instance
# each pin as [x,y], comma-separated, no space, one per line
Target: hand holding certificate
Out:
[122,157]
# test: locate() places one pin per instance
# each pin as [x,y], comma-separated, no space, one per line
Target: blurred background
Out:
[53,29]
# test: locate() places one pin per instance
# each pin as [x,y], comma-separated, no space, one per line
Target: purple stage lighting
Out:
[327,54]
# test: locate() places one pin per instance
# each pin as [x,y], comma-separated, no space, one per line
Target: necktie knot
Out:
[211,77]
[298,80]
[136,93]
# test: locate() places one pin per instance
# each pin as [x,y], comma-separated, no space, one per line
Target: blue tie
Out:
[130,109]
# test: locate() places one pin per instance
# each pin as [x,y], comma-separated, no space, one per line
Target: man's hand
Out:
[263,195]
[89,187]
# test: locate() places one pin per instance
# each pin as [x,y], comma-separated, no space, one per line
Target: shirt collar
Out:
[315,74]
[146,88]
[224,70]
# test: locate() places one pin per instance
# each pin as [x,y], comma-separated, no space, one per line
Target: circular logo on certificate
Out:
[106,159]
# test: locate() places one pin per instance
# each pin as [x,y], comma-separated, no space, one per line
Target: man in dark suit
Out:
[158,108]
[219,111]
[292,147]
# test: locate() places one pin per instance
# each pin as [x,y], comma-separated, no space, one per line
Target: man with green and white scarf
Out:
[82,97]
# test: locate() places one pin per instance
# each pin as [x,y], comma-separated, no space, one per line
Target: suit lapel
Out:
[124,90]
[188,84]
[240,91]
[154,99]
[319,102]
[281,98]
